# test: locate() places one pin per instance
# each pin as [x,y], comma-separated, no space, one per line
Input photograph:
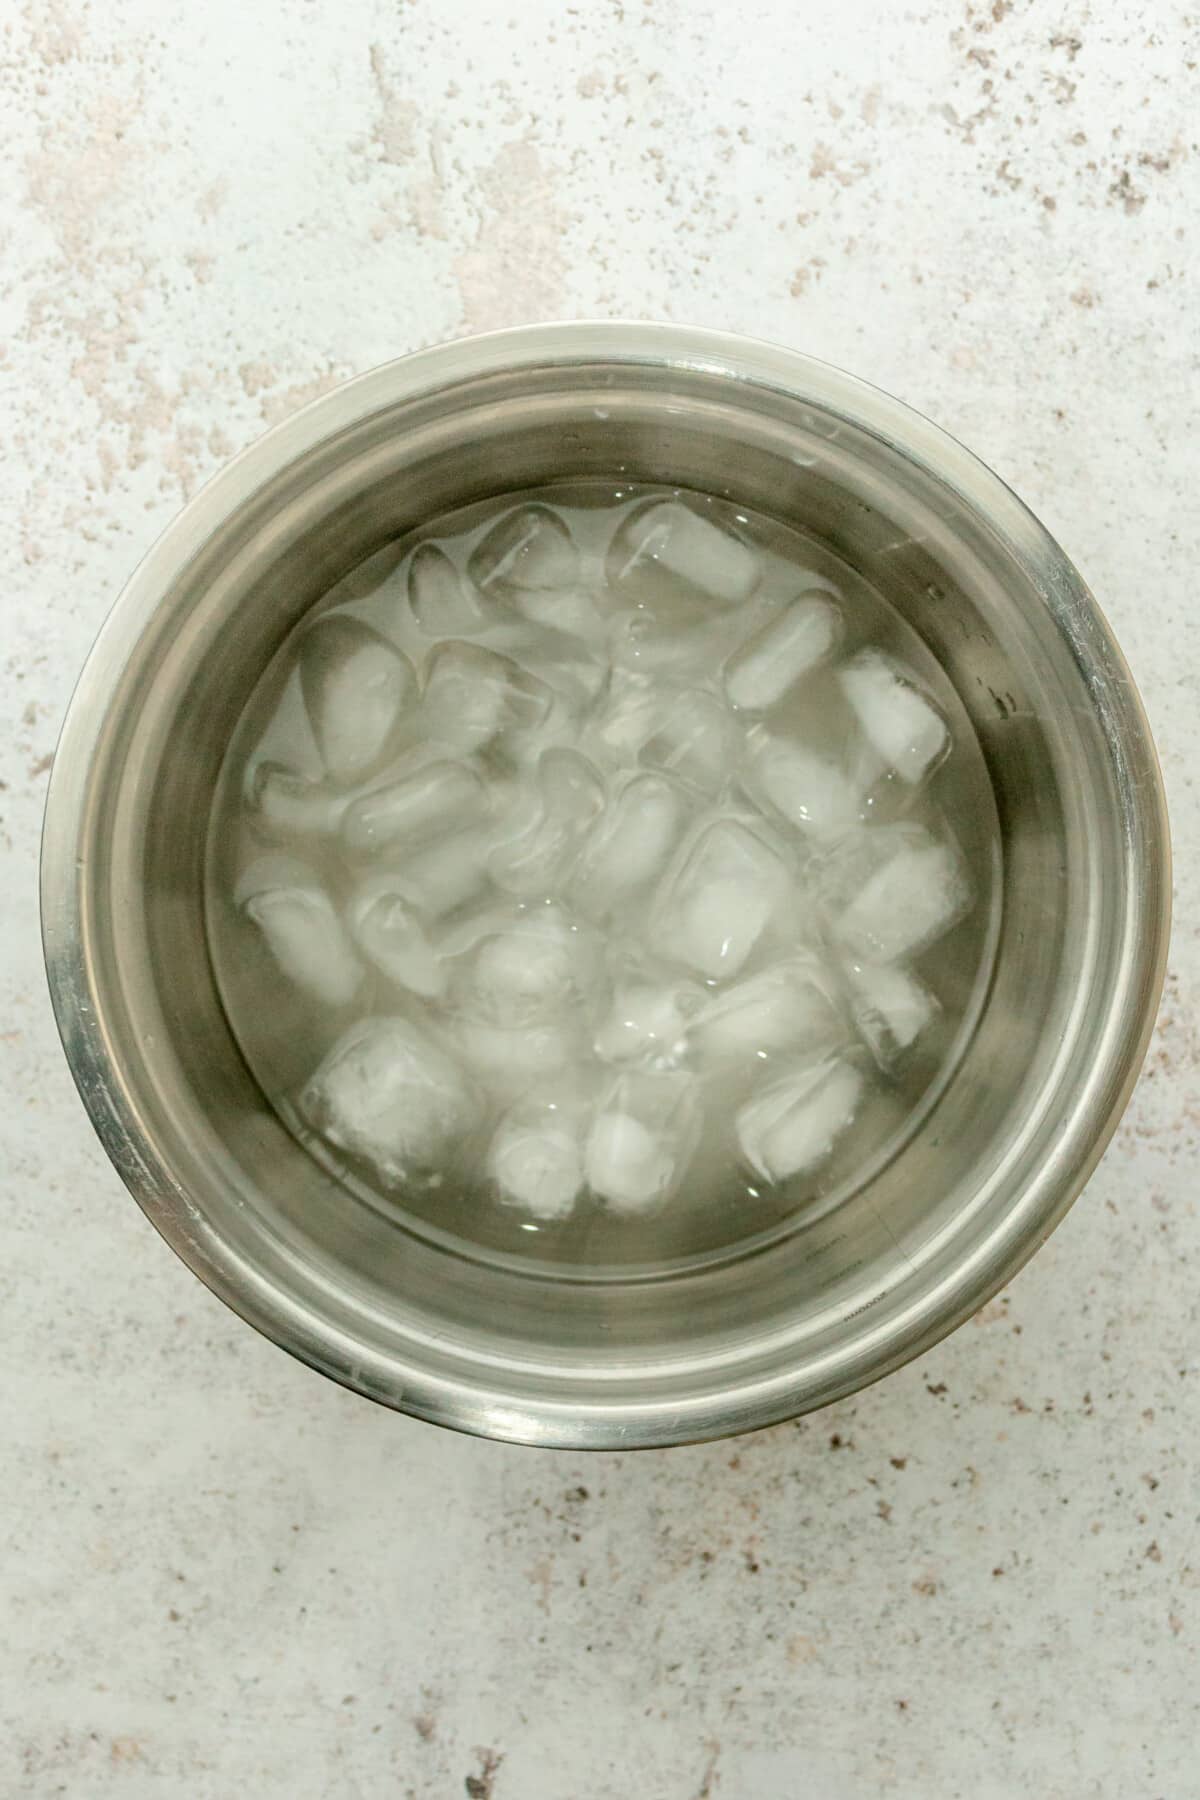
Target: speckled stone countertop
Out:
[223,1574]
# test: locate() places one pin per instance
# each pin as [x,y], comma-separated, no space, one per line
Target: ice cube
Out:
[537,1166]
[570,611]
[631,845]
[440,877]
[287,740]
[530,549]
[300,925]
[792,1125]
[526,862]
[289,805]
[642,1140]
[649,1022]
[781,1008]
[660,640]
[628,1165]
[473,694]
[810,790]
[668,535]
[569,669]
[892,1008]
[781,651]
[568,663]
[626,716]
[718,904]
[388,1092]
[538,963]
[392,934]
[357,688]
[510,1060]
[444,602]
[571,787]
[523,744]
[536,1154]
[891,890]
[897,720]
[697,738]
[434,800]
[546,827]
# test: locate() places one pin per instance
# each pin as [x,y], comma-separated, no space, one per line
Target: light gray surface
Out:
[225,1574]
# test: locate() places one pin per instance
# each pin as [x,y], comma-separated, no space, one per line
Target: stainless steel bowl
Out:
[750,1338]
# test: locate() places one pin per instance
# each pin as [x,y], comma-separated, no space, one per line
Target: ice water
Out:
[603,876]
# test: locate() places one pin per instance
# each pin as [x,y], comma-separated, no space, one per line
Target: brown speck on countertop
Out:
[1123,191]
[482,1786]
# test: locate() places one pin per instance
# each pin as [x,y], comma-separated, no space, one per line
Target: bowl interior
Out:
[634,1358]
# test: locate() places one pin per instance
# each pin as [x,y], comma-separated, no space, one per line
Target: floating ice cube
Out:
[299,922]
[537,1166]
[810,790]
[287,741]
[791,1126]
[631,845]
[434,800]
[440,877]
[536,1154]
[357,688]
[570,687]
[565,661]
[544,831]
[660,641]
[892,1008]
[472,694]
[572,671]
[781,1008]
[388,1092]
[625,717]
[628,1165]
[897,720]
[891,890]
[529,848]
[571,788]
[391,934]
[696,738]
[571,611]
[528,550]
[642,1140]
[538,963]
[510,1060]
[649,1022]
[717,906]
[288,805]
[444,603]
[668,535]
[783,650]
[527,862]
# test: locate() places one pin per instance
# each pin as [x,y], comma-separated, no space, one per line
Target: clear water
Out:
[656,696]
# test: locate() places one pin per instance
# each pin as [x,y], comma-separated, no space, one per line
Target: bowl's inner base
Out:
[710,1218]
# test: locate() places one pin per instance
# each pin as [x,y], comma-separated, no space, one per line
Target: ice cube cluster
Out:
[584,860]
